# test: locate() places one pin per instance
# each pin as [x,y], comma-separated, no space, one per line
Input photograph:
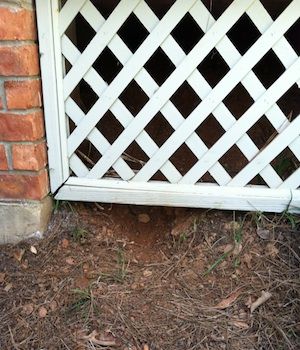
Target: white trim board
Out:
[251,198]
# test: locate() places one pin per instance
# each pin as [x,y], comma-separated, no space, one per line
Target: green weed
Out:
[234,251]
[79,234]
[120,273]
[83,299]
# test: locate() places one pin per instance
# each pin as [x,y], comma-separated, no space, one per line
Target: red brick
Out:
[17,24]
[23,94]
[20,127]
[3,159]
[15,186]
[19,60]
[29,157]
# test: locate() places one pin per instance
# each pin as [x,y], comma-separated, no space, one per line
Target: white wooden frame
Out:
[228,193]
[56,127]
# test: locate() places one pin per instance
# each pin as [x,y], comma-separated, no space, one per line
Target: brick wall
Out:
[23,173]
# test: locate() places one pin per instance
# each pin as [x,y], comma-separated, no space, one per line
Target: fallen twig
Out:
[261,300]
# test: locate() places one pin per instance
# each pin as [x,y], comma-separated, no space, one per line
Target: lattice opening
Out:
[238,101]
[210,131]
[159,66]
[183,159]
[243,34]
[269,69]
[105,7]
[155,127]
[160,8]
[134,98]
[107,65]
[84,96]
[185,99]
[285,163]
[292,35]
[233,161]
[132,24]
[88,154]
[289,102]
[187,25]
[262,132]
[135,157]
[188,96]
[110,127]
[213,68]
[275,11]
[81,32]
[216,8]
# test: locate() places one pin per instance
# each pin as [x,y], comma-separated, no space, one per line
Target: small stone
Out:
[263,233]
[33,250]
[144,218]
[53,305]
[28,309]
[42,312]
[183,225]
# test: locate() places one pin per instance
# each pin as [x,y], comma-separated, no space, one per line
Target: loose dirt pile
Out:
[153,278]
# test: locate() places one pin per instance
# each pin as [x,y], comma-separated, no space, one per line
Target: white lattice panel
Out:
[173,104]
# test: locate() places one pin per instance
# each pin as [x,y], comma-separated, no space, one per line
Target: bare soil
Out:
[139,278]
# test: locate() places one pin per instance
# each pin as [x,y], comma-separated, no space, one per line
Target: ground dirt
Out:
[126,277]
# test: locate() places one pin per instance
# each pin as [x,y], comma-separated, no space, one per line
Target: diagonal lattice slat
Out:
[145,51]
[192,60]
[147,83]
[245,122]
[122,113]
[236,74]
[199,84]
[184,129]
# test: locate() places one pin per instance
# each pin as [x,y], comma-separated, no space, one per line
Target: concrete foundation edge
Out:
[23,220]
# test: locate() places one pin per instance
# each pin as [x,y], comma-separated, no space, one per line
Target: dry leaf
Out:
[225,303]
[183,225]
[2,277]
[239,324]
[144,218]
[265,296]
[146,347]
[8,287]
[147,273]
[70,261]
[33,250]
[106,339]
[248,303]
[247,258]
[65,243]
[18,255]
[231,226]
[272,250]
[263,233]
[226,248]
[237,249]
[42,312]
[25,264]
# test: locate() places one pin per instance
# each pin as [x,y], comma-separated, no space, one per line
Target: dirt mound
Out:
[153,278]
